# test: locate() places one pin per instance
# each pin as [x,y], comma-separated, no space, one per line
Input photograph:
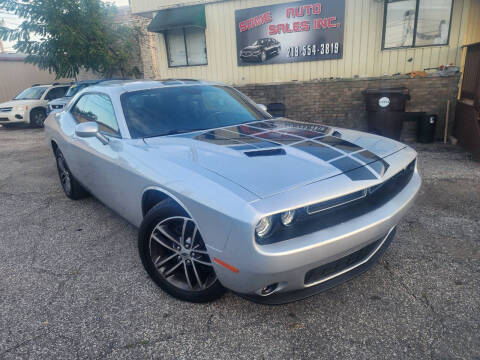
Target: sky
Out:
[12,21]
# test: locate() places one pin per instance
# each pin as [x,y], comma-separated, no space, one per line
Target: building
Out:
[16,75]
[315,57]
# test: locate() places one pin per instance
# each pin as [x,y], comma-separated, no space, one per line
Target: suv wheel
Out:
[37,117]
[174,254]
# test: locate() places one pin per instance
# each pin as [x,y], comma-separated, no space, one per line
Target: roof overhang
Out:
[175,18]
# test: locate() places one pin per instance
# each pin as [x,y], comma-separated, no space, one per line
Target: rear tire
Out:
[177,260]
[72,188]
[37,117]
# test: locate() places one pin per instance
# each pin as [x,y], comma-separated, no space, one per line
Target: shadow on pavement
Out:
[15,126]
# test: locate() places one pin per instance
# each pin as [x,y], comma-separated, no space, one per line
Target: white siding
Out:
[362,56]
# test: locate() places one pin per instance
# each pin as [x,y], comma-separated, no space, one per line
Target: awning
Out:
[180,17]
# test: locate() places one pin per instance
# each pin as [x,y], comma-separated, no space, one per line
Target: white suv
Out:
[31,104]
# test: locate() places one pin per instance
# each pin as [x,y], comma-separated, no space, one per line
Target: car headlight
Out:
[264,226]
[287,218]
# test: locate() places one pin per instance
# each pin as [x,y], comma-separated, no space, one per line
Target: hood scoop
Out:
[268,152]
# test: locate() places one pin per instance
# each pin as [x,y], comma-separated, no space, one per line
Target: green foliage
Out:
[64,36]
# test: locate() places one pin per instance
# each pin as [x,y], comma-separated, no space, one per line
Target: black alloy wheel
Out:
[37,117]
[72,188]
[175,256]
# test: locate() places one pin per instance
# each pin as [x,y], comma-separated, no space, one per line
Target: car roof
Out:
[88,82]
[121,86]
[54,84]
[95,81]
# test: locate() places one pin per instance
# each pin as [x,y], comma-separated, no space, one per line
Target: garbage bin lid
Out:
[380,91]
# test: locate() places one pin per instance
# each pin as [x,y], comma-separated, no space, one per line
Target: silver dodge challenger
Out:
[227,197]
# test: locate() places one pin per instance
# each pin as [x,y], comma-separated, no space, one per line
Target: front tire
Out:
[174,254]
[72,188]
[37,117]
[263,56]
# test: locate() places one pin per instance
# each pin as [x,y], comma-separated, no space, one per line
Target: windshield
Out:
[174,110]
[35,92]
[75,89]
[260,42]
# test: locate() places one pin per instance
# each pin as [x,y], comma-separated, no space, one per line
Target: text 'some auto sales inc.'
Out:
[291,32]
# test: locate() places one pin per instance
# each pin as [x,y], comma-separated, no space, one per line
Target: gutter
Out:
[151,13]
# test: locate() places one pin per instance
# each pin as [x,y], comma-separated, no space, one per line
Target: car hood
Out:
[252,48]
[273,156]
[16,103]
[60,101]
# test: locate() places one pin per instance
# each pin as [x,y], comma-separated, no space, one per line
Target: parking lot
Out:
[72,284]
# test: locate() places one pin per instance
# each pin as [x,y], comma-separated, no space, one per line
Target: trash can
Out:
[386,110]
[426,128]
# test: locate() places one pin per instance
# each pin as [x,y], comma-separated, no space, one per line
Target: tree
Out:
[64,36]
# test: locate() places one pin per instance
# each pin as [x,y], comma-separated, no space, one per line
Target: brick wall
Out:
[341,103]
[146,45]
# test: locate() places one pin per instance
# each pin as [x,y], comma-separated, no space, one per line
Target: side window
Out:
[186,47]
[63,90]
[79,110]
[56,93]
[414,23]
[101,109]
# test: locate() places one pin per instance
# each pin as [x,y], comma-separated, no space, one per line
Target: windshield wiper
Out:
[181,131]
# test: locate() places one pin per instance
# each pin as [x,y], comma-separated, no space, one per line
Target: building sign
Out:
[291,32]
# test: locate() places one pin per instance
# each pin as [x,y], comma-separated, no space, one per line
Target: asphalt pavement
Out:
[72,284]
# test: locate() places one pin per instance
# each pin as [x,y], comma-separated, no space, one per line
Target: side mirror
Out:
[90,129]
[262,107]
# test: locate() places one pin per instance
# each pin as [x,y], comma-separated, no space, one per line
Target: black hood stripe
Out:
[317,140]
[321,151]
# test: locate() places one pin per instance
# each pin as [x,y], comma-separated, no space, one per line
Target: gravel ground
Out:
[72,285]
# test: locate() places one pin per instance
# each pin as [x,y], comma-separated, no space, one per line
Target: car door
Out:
[275,46]
[96,164]
[71,146]
[268,46]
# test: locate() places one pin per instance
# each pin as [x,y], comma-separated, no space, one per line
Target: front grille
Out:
[6,109]
[331,213]
[315,208]
[324,271]
[4,119]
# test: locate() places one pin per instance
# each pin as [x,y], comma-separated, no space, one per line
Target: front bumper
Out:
[335,278]
[13,117]
[287,263]
[250,57]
